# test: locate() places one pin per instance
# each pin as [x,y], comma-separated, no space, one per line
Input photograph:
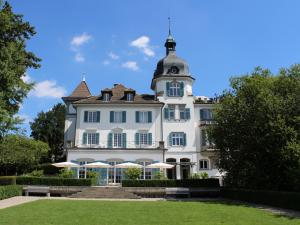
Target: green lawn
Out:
[76,212]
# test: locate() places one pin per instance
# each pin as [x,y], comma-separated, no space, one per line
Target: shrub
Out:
[211,182]
[9,191]
[202,175]
[8,180]
[160,175]
[66,173]
[93,176]
[53,181]
[36,173]
[133,173]
[290,200]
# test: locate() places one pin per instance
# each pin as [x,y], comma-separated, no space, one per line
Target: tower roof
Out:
[81,90]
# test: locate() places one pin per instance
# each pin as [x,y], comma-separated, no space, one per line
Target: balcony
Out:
[206,122]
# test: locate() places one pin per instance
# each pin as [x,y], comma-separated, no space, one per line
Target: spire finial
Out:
[169,26]
[83,76]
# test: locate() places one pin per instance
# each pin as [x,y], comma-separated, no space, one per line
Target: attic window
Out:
[129,97]
[106,97]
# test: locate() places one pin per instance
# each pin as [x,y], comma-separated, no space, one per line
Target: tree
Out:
[14,61]
[20,154]
[133,173]
[49,127]
[257,130]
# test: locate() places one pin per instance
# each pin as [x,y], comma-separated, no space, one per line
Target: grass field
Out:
[76,212]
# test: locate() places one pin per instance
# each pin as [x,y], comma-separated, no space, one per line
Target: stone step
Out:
[106,192]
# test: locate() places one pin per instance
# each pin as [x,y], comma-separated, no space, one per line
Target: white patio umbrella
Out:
[68,165]
[160,166]
[98,165]
[128,165]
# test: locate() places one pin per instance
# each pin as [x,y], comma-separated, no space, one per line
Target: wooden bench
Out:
[37,189]
[178,191]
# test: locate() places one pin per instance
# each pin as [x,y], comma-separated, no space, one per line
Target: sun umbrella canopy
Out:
[128,165]
[66,164]
[97,165]
[160,166]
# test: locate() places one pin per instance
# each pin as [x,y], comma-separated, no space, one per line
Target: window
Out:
[106,97]
[203,164]
[184,113]
[116,140]
[143,116]
[146,173]
[177,139]
[91,138]
[206,114]
[143,138]
[118,117]
[206,140]
[129,97]
[91,116]
[175,89]
[170,112]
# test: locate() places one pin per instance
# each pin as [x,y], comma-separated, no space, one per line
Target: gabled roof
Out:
[81,90]
[119,97]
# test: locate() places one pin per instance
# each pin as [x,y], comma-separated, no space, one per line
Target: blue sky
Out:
[121,42]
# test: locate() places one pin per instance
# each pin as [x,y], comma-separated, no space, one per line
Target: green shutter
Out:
[85,116]
[109,140]
[170,139]
[149,117]
[168,88]
[137,116]
[112,115]
[137,138]
[98,117]
[181,89]
[166,113]
[149,137]
[84,138]
[97,138]
[124,140]
[123,116]
[201,114]
[187,113]
[184,139]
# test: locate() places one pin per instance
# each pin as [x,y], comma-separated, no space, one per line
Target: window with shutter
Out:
[91,138]
[178,139]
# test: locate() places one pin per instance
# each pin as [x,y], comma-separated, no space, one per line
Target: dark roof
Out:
[119,97]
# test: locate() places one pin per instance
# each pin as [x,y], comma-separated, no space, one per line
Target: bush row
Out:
[53,181]
[172,183]
[290,200]
[8,180]
[9,191]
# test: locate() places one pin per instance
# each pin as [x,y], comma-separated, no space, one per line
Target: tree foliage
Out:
[14,61]
[20,154]
[133,173]
[49,127]
[258,130]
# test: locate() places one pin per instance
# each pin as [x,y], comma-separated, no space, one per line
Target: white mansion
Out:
[120,125]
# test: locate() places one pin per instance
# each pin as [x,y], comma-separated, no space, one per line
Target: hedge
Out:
[289,200]
[211,182]
[8,180]
[9,191]
[53,181]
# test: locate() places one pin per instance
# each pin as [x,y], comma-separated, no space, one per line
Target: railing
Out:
[207,122]
[129,145]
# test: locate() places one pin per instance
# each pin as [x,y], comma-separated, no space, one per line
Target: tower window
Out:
[175,89]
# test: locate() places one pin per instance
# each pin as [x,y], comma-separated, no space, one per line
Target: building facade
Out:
[120,125]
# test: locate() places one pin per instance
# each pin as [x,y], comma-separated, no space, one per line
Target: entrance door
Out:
[114,174]
[171,173]
[185,168]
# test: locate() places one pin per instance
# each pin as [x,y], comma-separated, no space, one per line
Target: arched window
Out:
[203,164]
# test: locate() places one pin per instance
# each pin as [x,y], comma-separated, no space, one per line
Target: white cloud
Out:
[79,57]
[48,88]
[26,78]
[113,56]
[106,62]
[25,118]
[132,65]
[81,39]
[142,43]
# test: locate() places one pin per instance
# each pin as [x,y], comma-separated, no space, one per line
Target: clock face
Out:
[174,70]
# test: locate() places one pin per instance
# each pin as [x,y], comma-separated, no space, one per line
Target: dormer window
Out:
[106,97]
[129,97]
